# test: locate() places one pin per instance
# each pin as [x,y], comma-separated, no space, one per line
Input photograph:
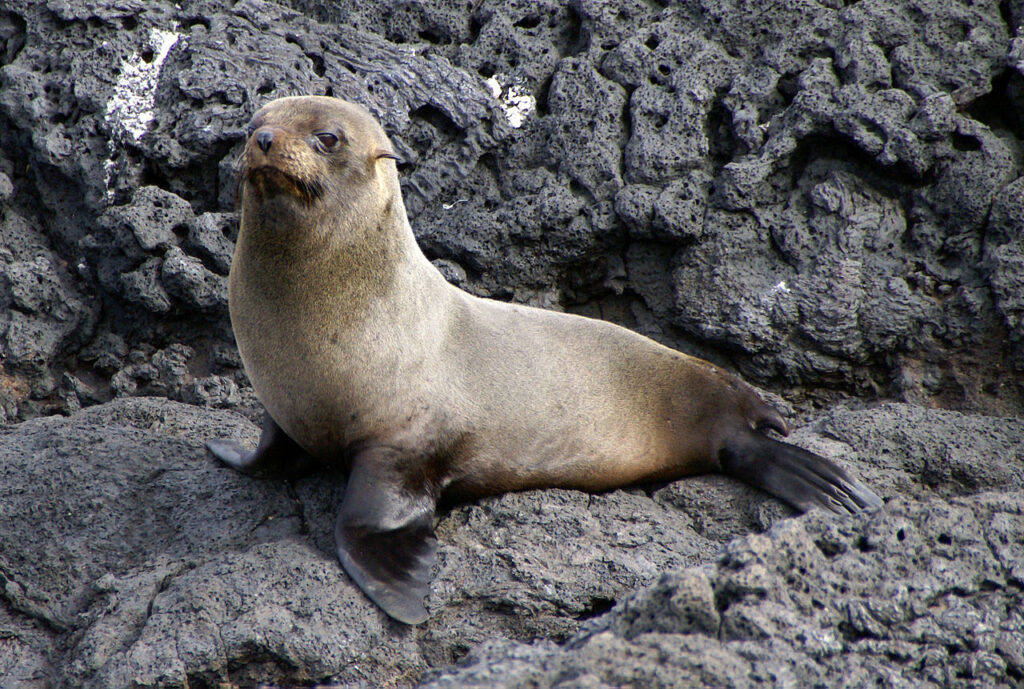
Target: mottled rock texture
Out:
[825,198]
[129,557]
[920,594]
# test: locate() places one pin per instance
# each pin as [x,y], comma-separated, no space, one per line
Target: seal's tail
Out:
[801,478]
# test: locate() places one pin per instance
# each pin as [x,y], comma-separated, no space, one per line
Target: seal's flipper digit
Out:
[801,478]
[276,456]
[391,567]
[385,537]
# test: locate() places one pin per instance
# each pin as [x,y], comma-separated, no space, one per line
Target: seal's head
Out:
[301,149]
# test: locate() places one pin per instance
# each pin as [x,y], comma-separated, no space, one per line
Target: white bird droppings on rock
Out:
[131,106]
[515,101]
[130,110]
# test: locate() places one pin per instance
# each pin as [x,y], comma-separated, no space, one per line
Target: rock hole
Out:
[578,40]
[900,535]
[193,24]
[458,652]
[319,68]
[1006,13]
[438,120]
[652,42]
[863,545]
[851,634]
[829,548]
[944,539]
[474,28]
[964,142]
[529,22]
[57,118]
[787,86]
[543,92]
[197,682]
[597,607]
[12,36]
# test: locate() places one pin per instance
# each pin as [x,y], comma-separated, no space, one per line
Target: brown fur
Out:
[352,338]
[364,356]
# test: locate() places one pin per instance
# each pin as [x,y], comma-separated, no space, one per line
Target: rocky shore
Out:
[825,199]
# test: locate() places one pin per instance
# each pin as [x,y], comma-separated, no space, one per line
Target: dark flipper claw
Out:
[801,478]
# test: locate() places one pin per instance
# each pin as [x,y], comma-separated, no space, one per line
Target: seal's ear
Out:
[382,153]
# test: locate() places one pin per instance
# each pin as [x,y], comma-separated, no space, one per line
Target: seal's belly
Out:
[572,402]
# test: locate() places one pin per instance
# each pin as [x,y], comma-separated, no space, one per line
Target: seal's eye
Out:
[249,130]
[327,140]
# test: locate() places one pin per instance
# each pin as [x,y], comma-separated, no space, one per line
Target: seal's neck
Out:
[351,254]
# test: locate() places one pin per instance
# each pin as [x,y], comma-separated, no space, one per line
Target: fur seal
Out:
[365,357]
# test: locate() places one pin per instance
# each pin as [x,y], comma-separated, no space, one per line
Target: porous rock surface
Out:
[129,557]
[921,594]
[825,198]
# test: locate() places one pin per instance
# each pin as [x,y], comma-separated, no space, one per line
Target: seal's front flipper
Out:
[801,478]
[276,456]
[385,535]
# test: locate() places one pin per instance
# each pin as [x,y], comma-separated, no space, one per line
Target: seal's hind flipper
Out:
[801,478]
[385,536]
[276,456]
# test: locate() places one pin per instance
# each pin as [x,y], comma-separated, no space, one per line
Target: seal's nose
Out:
[264,139]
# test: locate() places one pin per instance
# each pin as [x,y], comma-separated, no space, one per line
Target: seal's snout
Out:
[284,164]
[264,139]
